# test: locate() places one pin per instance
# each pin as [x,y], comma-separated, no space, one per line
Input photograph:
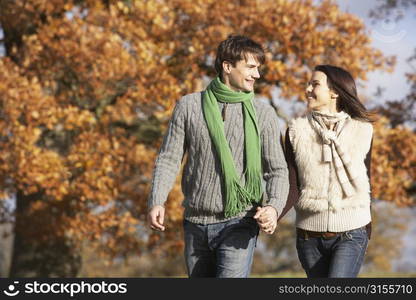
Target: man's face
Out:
[242,76]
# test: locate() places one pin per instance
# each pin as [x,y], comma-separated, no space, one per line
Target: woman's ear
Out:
[333,95]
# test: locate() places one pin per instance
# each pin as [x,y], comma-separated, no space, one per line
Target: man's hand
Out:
[266,218]
[156,217]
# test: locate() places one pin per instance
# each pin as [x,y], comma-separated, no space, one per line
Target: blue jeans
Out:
[222,249]
[341,256]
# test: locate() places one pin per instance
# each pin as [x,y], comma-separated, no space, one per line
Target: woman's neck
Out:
[327,109]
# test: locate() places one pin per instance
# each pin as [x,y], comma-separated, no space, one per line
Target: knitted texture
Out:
[322,204]
[202,180]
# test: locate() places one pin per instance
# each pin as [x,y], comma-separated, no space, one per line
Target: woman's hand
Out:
[266,218]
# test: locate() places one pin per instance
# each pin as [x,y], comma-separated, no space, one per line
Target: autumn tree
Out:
[395,159]
[87,88]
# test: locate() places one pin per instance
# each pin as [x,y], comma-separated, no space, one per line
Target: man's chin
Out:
[248,89]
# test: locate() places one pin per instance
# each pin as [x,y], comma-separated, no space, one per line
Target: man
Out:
[232,143]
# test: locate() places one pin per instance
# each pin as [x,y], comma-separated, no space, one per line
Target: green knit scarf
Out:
[238,197]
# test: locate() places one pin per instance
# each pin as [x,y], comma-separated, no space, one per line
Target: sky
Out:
[392,38]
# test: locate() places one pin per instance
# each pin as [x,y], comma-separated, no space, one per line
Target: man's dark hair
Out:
[236,48]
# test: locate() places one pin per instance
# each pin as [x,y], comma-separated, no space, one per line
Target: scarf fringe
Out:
[239,197]
[254,185]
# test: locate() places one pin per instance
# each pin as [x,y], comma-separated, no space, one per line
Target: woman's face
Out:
[318,94]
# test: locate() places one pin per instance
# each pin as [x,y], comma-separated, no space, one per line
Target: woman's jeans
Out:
[341,256]
[222,249]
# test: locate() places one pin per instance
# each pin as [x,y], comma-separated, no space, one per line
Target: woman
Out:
[328,154]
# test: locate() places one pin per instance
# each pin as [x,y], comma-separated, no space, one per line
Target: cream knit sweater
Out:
[321,205]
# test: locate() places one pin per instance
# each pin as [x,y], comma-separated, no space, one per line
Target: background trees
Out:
[87,88]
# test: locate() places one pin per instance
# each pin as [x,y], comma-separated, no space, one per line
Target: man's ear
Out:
[226,66]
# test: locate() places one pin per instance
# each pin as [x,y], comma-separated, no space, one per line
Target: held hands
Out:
[156,217]
[266,218]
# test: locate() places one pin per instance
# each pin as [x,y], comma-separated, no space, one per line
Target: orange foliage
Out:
[87,88]
[393,169]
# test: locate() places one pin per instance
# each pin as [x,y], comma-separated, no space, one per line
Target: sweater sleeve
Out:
[169,159]
[274,165]
[293,195]
[367,163]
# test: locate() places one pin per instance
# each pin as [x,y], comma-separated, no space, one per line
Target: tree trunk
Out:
[6,243]
[32,257]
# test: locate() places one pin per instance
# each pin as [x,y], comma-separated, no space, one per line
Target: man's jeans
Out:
[340,256]
[222,249]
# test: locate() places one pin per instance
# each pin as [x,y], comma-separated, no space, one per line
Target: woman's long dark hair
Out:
[342,83]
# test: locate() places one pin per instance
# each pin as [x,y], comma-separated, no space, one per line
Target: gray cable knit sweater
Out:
[202,182]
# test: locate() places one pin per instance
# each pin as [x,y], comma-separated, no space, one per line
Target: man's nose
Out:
[309,88]
[256,73]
